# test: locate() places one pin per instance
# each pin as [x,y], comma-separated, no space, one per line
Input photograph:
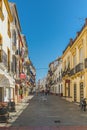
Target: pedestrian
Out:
[46,92]
[84,105]
[21,92]
[81,104]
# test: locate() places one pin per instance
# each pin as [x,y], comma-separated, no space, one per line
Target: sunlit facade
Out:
[75,67]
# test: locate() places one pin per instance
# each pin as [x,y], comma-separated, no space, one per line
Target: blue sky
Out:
[48,25]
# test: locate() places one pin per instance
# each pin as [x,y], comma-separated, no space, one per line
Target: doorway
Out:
[75,91]
[81,91]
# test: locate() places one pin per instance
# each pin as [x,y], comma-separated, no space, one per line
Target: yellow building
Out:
[75,67]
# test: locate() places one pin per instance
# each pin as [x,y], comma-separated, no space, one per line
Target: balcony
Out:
[66,72]
[86,63]
[72,71]
[63,73]
[79,67]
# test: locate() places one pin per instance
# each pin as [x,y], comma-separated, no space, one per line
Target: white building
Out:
[6,82]
[59,84]
[42,84]
[54,78]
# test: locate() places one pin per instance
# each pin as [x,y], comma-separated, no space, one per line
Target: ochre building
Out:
[75,67]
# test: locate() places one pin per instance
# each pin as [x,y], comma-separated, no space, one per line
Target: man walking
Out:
[84,105]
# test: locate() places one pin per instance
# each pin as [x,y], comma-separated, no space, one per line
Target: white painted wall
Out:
[58,89]
[4,29]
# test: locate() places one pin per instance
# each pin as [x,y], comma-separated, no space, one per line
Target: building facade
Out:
[14,56]
[7,85]
[75,67]
[32,77]
[54,77]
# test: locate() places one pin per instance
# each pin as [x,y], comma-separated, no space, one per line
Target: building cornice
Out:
[78,40]
[78,37]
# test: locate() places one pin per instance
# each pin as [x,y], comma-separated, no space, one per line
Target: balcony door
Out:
[81,55]
[75,91]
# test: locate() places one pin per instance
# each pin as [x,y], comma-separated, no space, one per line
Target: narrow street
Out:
[53,112]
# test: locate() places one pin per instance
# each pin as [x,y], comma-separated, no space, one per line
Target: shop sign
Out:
[22,76]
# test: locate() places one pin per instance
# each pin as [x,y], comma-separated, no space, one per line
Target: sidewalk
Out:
[19,109]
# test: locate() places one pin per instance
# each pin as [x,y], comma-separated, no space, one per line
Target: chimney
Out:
[71,41]
[77,34]
[86,21]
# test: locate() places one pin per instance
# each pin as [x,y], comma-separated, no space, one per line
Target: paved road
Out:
[54,112]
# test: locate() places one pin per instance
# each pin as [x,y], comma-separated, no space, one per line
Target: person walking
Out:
[81,104]
[84,105]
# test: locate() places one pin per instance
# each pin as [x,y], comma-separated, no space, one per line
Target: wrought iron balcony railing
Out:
[79,67]
[72,71]
[63,73]
[66,72]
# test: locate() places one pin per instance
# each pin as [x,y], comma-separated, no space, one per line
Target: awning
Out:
[11,80]
[22,76]
[6,80]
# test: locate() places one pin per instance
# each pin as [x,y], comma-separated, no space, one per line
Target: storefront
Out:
[6,88]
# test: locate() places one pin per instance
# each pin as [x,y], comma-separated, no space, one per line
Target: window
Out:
[68,62]
[68,90]
[15,21]
[74,60]
[64,65]
[14,37]
[81,55]
[81,91]
[75,93]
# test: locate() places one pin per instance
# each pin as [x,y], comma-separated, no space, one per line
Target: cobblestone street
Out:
[55,113]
